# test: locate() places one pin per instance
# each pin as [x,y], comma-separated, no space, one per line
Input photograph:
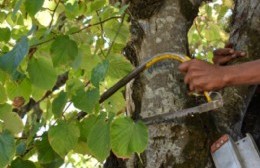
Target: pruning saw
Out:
[216,103]
[211,104]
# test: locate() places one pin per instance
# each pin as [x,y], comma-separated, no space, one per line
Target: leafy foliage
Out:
[56,58]
[132,137]
[63,137]
[7,148]
[209,30]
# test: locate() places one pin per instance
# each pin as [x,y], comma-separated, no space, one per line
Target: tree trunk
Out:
[182,143]
[161,26]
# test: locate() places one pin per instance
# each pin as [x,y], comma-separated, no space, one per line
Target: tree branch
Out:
[78,31]
[95,24]
[52,16]
[32,103]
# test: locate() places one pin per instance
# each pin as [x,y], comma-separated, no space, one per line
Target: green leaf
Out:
[19,163]
[5,34]
[58,104]
[99,72]
[111,31]
[86,125]
[22,89]
[115,103]
[16,8]
[97,4]
[42,73]
[46,155]
[64,51]
[86,101]
[21,148]
[213,32]
[2,16]
[72,10]
[3,96]
[11,60]
[63,137]
[128,137]
[82,148]
[33,6]
[7,148]
[118,67]
[12,122]
[99,141]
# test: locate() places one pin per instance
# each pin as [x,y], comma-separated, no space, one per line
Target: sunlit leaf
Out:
[116,103]
[86,101]
[111,31]
[12,122]
[118,67]
[128,137]
[99,141]
[63,137]
[41,73]
[63,50]
[22,89]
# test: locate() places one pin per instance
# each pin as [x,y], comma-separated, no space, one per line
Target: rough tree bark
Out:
[161,26]
[182,143]
[245,35]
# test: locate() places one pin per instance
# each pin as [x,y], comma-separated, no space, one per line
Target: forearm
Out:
[242,74]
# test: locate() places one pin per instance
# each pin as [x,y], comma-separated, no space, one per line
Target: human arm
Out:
[202,76]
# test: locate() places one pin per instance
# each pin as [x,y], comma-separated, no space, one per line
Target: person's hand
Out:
[202,76]
[224,55]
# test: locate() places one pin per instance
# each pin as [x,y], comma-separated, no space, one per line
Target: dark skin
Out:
[203,76]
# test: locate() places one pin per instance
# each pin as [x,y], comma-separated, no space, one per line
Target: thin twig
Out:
[48,9]
[78,31]
[118,31]
[67,107]
[197,28]
[95,24]
[101,25]
[43,42]
[52,16]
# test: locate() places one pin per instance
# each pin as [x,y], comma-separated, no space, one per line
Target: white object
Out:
[241,154]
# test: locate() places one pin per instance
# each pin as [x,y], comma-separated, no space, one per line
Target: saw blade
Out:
[205,107]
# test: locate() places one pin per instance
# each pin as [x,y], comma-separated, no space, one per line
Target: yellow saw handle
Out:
[147,64]
[172,56]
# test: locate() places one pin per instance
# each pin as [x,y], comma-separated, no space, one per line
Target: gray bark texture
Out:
[245,35]
[161,26]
